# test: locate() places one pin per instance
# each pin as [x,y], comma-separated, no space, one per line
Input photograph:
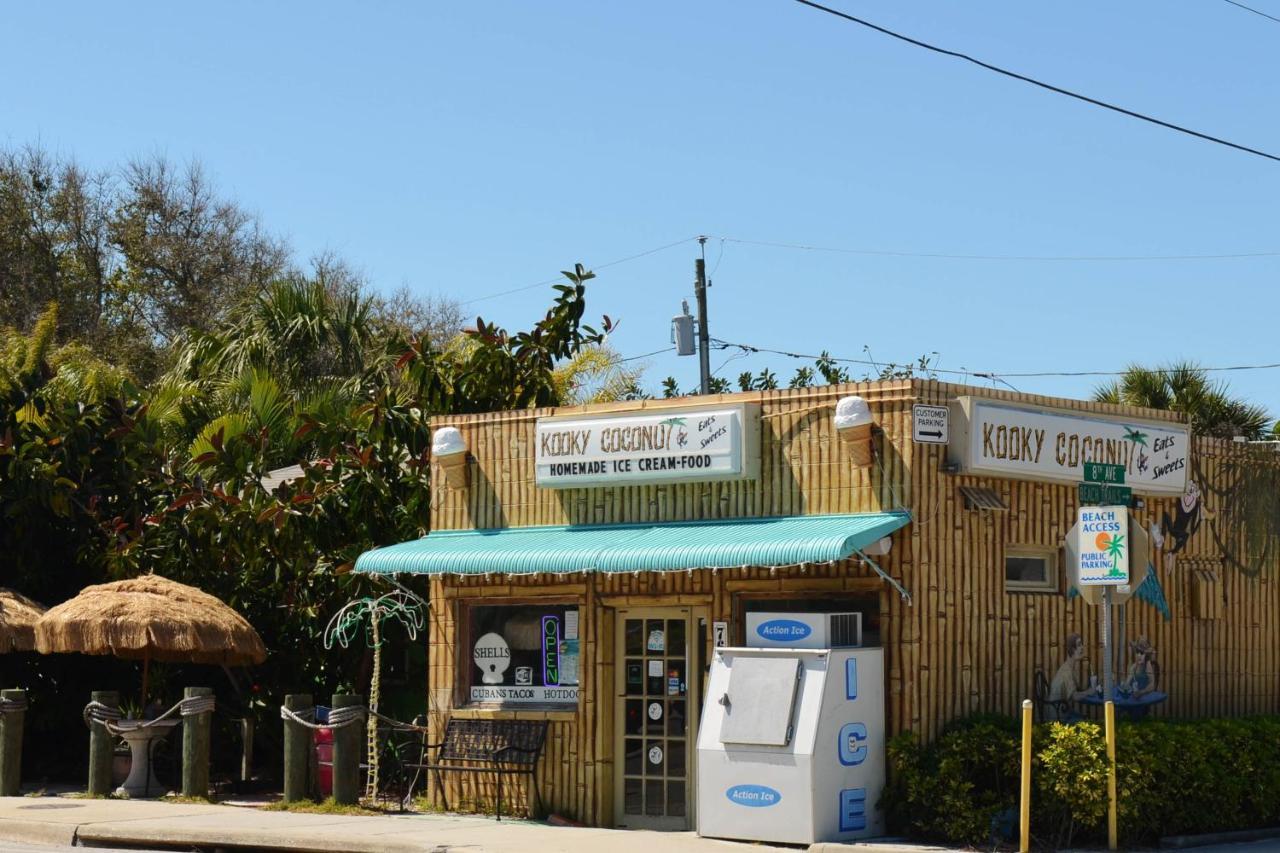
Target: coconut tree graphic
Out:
[1113,546]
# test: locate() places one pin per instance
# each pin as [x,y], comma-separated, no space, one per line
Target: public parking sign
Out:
[1102,541]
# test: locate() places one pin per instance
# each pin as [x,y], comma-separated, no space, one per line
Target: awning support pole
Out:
[906,596]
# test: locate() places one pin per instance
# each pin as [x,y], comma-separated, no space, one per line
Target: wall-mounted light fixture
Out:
[853,425]
[450,449]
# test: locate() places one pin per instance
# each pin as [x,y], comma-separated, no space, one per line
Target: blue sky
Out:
[468,149]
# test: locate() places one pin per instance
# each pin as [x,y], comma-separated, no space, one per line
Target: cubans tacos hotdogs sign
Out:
[1051,444]
[660,447]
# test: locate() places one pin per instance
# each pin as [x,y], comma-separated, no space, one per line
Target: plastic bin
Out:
[324,754]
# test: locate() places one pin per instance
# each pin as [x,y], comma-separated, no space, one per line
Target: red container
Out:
[324,761]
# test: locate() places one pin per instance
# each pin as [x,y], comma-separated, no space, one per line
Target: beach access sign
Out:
[1102,542]
[666,447]
[1052,444]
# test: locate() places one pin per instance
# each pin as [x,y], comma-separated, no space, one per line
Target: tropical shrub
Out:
[1173,777]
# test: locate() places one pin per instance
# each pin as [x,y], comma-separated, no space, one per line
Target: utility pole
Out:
[704,338]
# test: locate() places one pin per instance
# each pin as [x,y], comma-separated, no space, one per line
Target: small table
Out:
[141,735]
[1134,709]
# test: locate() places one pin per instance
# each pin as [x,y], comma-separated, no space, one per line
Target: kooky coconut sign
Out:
[668,447]
[1026,442]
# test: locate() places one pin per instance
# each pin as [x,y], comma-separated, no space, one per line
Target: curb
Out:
[37,832]
[886,846]
[1179,842]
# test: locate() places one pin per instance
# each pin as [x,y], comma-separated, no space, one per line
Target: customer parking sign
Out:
[1103,545]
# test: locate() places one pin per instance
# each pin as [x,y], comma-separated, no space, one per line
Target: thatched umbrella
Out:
[151,618]
[18,616]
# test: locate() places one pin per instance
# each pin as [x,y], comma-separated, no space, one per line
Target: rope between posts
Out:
[194,705]
[13,706]
[96,712]
[343,717]
[339,718]
[398,725]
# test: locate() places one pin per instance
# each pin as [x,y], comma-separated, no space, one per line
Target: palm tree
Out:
[1115,550]
[1185,387]
[596,374]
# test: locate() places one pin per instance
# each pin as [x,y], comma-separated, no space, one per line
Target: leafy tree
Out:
[68,464]
[186,255]
[1186,388]
[492,370]
[283,557]
[133,257]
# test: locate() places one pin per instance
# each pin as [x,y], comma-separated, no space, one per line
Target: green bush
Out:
[1172,778]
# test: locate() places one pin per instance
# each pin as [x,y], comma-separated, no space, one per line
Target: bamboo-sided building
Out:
[640,534]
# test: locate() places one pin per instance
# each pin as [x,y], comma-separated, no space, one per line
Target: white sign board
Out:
[930,424]
[1050,444]
[668,447]
[515,695]
[1103,545]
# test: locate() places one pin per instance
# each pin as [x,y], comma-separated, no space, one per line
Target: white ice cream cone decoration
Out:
[853,424]
[450,449]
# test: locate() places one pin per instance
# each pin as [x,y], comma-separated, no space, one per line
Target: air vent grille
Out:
[845,629]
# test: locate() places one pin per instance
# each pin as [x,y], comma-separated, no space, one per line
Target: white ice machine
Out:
[791,747]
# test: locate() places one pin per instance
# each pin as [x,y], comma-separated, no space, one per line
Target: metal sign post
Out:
[1100,541]
[1108,688]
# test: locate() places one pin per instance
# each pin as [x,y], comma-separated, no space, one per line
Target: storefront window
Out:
[524,654]
[1030,569]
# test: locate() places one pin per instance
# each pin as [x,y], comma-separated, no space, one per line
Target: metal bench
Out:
[504,747]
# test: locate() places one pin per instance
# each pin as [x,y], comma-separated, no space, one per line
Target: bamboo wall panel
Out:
[962,644]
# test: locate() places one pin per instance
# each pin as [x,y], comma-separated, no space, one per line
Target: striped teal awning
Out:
[617,548]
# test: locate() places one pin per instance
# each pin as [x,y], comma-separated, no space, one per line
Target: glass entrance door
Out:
[655,719]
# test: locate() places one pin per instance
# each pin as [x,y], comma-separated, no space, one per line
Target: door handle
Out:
[724,700]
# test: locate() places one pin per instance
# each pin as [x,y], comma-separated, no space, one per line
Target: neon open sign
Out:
[550,650]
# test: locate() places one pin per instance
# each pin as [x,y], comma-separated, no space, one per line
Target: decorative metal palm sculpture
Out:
[366,615]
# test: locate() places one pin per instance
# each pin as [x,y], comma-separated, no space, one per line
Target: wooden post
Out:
[195,747]
[1024,818]
[101,746]
[11,725]
[297,749]
[346,753]
[246,749]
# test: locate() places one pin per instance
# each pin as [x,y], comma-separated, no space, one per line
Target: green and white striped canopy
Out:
[616,548]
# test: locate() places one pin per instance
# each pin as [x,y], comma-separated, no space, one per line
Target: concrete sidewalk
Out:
[142,823]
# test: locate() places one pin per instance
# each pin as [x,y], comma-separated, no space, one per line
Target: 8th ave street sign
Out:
[1102,485]
[1098,472]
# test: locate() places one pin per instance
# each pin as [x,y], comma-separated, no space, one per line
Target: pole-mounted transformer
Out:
[682,332]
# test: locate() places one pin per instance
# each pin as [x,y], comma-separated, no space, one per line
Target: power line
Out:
[1034,82]
[646,355]
[954,257]
[559,280]
[1154,370]
[978,374]
[1253,10]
